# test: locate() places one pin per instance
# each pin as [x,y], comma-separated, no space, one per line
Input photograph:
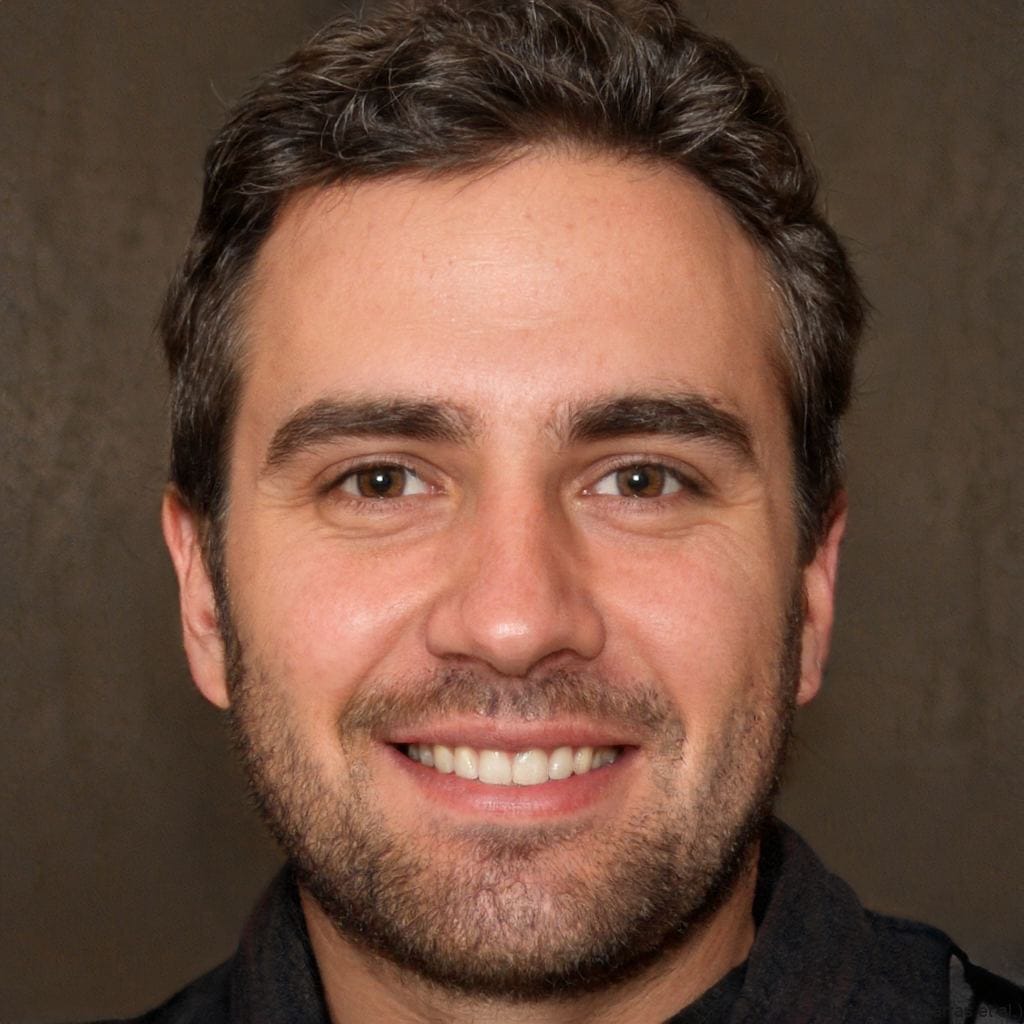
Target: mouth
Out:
[490,770]
[530,767]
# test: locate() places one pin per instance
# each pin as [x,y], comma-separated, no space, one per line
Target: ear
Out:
[204,646]
[819,580]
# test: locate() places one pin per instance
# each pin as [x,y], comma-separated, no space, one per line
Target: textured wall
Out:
[909,777]
[128,858]
[127,854]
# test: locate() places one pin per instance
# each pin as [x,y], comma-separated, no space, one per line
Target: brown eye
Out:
[382,482]
[641,481]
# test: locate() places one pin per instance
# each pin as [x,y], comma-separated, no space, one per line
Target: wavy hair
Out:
[444,86]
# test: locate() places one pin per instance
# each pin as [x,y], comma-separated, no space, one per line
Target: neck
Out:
[361,987]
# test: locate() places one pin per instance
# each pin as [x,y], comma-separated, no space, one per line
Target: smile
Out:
[510,767]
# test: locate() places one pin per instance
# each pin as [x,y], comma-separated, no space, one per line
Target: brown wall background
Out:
[128,857]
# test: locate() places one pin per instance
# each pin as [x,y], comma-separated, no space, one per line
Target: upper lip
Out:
[511,734]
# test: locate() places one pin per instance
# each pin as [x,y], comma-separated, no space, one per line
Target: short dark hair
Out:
[449,85]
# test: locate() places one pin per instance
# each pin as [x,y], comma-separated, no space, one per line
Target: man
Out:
[508,358]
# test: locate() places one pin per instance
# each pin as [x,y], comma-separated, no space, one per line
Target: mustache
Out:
[641,708]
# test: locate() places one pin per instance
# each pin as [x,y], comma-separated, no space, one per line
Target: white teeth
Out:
[495,767]
[530,767]
[582,760]
[506,768]
[467,764]
[444,759]
[560,763]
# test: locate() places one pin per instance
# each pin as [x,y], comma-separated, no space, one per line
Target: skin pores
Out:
[511,472]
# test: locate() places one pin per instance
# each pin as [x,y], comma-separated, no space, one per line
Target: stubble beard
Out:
[513,913]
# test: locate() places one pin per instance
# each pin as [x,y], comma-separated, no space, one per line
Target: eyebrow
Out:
[685,416]
[327,420]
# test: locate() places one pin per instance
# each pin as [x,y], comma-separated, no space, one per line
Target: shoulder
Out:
[975,994]
[866,966]
[204,1001]
[272,976]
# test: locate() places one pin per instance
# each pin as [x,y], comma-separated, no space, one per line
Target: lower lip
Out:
[555,798]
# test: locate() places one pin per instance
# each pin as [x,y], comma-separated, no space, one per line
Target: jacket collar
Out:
[818,956]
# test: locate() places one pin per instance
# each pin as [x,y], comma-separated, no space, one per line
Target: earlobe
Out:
[204,646]
[819,603]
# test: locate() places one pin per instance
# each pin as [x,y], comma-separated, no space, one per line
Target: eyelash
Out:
[687,482]
[334,487]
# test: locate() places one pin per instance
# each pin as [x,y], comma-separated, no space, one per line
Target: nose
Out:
[516,596]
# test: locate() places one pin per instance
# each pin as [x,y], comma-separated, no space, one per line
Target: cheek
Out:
[702,620]
[325,616]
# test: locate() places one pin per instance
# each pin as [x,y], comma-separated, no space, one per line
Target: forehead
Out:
[509,292]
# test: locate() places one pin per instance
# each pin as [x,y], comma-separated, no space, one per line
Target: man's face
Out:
[511,482]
